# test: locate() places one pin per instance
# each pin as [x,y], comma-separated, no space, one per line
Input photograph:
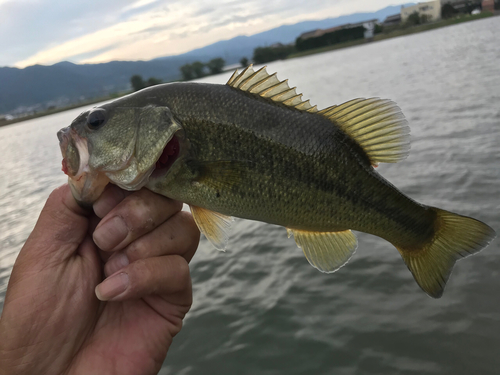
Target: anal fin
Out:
[213,225]
[326,251]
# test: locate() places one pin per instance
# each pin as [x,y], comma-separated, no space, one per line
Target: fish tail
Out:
[455,237]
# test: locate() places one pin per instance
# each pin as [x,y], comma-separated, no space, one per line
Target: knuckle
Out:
[109,199]
[189,228]
[138,249]
[141,267]
[139,275]
[181,269]
[57,193]
[139,214]
[149,277]
[176,205]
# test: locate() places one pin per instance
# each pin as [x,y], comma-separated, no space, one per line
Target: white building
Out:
[431,9]
[369,26]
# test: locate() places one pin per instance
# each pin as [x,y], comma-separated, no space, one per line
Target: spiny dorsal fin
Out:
[213,225]
[377,125]
[325,251]
[269,86]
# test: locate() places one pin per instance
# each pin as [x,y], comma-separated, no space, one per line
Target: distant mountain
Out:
[234,49]
[39,86]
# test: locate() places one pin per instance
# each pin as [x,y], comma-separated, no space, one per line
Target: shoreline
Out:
[61,109]
[398,32]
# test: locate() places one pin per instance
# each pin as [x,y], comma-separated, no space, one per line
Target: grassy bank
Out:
[399,31]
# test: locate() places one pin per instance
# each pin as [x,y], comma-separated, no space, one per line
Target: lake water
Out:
[260,308]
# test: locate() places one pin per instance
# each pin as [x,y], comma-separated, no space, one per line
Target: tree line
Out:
[138,83]
[278,51]
[333,37]
[263,55]
[199,69]
[188,72]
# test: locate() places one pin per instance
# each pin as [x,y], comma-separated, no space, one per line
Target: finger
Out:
[178,235]
[93,223]
[109,199]
[87,250]
[138,214]
[153,276]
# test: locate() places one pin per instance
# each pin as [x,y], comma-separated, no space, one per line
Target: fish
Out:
[254,149]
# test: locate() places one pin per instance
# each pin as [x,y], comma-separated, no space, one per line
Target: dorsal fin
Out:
[377,125]
[267,85]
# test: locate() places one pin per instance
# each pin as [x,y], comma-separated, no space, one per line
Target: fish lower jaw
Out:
[136,184]
[88,186]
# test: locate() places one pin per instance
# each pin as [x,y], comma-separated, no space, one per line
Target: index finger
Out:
[137,214]
[177,236]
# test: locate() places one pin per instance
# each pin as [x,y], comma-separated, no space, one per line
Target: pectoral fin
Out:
[326,251]
[213,225]
[221,174]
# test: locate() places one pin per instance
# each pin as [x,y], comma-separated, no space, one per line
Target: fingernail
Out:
[111,233]
[112,287]
[115,263]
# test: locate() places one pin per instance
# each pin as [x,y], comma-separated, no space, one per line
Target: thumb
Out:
[60,229]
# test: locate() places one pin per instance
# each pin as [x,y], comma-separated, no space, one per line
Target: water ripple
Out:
[259,308]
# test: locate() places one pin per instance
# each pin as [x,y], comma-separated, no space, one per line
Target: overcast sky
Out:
[91,31]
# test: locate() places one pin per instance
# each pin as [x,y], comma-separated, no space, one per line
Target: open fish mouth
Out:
[71,163]
[87,185]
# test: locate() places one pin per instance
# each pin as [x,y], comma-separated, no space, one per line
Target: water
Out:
[260,308]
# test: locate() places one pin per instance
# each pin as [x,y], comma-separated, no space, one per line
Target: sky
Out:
[93,31]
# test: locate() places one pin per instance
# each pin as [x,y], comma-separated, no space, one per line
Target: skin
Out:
[99,293]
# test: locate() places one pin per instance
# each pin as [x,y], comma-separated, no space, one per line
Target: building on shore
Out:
[488,5]
[431,9]
[311,34]
[467,6]
[369,26]
[395,19]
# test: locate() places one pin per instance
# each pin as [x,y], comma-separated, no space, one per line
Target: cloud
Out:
[203,11]
[28,27]
[139,4]
[48,31]
[91,54]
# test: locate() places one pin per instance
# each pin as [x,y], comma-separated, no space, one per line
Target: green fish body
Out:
[253,149]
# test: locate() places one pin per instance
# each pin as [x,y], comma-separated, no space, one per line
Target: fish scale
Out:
[254,149]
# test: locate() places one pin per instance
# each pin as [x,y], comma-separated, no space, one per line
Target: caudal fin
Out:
[455,237]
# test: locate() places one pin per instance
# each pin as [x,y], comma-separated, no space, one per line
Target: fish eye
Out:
[96,118]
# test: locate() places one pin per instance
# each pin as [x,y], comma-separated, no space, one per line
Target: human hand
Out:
[52,322]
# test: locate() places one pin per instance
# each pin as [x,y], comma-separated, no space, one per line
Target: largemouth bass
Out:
[254,149]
